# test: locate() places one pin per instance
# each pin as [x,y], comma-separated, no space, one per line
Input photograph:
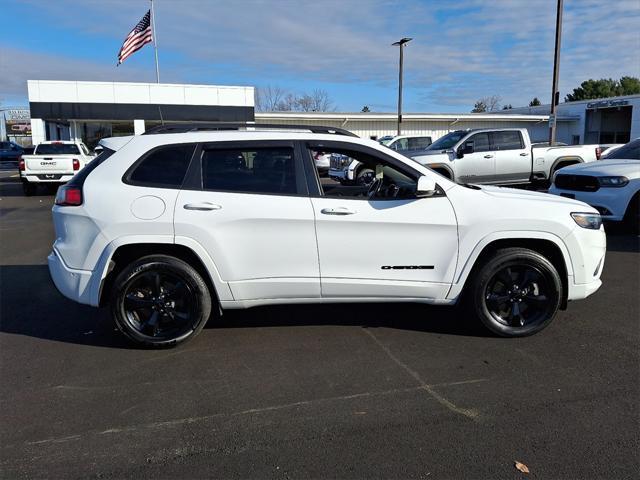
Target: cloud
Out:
[21,65]
[461,50]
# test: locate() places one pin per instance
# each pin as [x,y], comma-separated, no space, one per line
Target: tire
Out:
[524,307]
[28,189]
[160,301]
[631,220]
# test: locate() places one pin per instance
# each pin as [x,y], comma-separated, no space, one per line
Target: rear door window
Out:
[507,140]
[268,170]
[162,167]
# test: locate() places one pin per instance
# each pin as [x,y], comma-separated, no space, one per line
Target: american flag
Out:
[137,38]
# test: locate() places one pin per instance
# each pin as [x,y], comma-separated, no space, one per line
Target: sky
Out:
[461,50]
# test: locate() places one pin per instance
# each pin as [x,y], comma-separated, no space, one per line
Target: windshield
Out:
[448,141]
[630,151]
[57,149]
[385,140]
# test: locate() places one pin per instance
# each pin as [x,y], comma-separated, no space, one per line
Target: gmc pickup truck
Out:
[500,156]
[52,162]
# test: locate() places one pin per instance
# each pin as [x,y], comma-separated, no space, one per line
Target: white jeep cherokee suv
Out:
[183,221]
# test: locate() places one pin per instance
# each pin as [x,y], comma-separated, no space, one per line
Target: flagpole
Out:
[155,40]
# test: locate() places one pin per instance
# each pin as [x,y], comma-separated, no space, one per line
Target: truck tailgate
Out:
[48,163]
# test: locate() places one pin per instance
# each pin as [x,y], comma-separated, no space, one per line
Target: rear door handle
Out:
[204,206]
[524,154]
[337,211]
[488,156]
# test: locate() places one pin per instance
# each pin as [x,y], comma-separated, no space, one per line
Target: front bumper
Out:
[610,202]
[587,249]
[74,284]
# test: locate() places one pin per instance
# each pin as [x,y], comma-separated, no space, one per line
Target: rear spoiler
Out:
[115,143]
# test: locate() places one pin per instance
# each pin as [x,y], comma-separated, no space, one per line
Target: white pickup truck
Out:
[52,162]
[500,156]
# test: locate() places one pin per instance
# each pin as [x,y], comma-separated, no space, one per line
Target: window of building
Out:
[507,140]
[254,170]
[163,167]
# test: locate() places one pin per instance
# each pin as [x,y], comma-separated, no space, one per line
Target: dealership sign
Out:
[17,121]
[607,104]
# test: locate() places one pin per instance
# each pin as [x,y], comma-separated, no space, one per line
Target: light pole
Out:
[401,43]
[555,95]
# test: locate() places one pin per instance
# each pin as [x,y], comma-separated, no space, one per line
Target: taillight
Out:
[598,153]
[20,164]
[68,196]
[76,164]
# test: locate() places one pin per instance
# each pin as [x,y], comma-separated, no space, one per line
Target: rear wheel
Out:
[28,189]
[160,301]
[516,293]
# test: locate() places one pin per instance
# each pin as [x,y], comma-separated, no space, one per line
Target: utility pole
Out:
[401,43]
[555,95]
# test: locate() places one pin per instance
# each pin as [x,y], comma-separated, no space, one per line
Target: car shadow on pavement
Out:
[12,187]
[30,305]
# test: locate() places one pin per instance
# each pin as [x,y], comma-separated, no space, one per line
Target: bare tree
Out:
[487,104]
[321,101]
[268,98]
[276,99]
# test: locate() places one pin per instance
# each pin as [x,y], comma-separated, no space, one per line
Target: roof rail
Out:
[217,126]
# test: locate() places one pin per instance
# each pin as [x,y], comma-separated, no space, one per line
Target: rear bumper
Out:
[42,177]
[74,284]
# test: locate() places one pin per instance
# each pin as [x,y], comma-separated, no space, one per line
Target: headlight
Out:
[613,181]
[592,221]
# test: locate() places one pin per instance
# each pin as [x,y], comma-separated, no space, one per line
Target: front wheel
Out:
[160,301]
[516,293]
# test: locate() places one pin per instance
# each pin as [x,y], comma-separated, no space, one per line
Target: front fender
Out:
[464,268]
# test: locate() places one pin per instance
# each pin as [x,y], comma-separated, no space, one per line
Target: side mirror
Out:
[467,147]
[426,187]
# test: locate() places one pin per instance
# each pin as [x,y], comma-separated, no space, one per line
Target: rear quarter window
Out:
[163,167]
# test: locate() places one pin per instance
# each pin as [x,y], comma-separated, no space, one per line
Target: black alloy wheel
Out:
[518,296]
[517,292]
[160,301]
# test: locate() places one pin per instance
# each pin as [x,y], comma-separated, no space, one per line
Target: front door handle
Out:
[204,206]
[524,154]
[337,211]
[488,156]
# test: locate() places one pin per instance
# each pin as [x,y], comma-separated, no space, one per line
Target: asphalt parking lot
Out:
[344,391]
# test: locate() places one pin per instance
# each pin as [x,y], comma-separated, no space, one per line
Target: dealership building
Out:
[89,111]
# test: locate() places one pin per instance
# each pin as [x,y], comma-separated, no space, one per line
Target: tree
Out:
[605,87]
[487,104]
[507,107]
[268,98]
[479,107]
[276,99]
[366,109]
[535,102]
